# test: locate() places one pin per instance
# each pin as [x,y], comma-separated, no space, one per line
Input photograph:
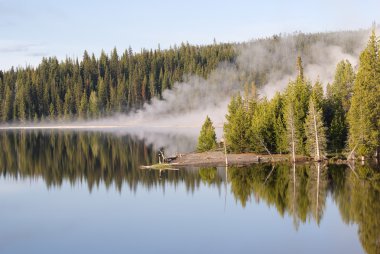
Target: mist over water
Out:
[172,141]
[188,103]
[183,109]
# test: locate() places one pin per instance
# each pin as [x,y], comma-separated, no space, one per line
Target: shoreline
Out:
[217,158]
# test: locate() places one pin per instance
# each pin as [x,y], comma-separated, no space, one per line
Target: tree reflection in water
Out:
[299,191]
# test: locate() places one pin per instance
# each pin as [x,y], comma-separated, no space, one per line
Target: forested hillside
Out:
[306,120]
[91,87]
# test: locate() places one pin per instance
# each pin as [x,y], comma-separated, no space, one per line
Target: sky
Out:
[33,29]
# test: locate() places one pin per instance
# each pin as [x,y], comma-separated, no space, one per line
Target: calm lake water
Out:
[83,192]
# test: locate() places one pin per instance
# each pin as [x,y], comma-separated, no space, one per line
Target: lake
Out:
[83,192]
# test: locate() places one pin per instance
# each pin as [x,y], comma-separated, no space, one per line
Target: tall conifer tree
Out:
[339,95]
[297,96]
[237,127]
[207,137]
[315,131]
[364,113]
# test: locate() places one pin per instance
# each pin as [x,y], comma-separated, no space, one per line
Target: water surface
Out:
[83,192]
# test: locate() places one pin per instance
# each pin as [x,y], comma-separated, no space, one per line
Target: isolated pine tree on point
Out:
[207,137]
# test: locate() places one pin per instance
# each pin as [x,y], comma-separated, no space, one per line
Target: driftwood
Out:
[353,150]
[161,166]
[262,143]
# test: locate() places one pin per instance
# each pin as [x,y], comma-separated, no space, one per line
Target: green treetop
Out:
[237,127]
[297,96]
[207,137]
[338,102]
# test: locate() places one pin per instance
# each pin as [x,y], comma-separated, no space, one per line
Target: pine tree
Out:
[121,95]
[279,123]
[114,65]
[102,92]
[113,99]
[297,96]
[94,105]
[78,90]
[8,105]
[51,112]
[1,91]
[152,85]
[237,127]
[364,113]
[341,88]
[19,104]
[59,106]
[83,106]
[262,136]
[144,89]
[315,131]
[68,105]
[292,130]
[338,130]
[317,95]
[300,69]
[207,137]
[46,99]
[338,102]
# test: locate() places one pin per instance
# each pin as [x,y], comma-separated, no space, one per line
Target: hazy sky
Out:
[33,29]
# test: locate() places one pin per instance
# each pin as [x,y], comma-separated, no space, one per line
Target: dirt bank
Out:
[218,159]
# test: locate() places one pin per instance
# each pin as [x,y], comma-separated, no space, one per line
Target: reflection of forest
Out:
[90,157]
[95,158]
[299,191]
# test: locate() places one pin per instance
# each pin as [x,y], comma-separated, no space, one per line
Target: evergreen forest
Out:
[306,120]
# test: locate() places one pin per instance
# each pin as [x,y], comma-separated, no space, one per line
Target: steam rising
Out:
[184,108]
[189,102]
[277,59]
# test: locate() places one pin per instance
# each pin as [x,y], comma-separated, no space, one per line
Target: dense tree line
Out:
[303,120]
[99,86]
[93,87]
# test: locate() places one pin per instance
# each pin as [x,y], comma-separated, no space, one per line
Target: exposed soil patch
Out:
[219,159]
